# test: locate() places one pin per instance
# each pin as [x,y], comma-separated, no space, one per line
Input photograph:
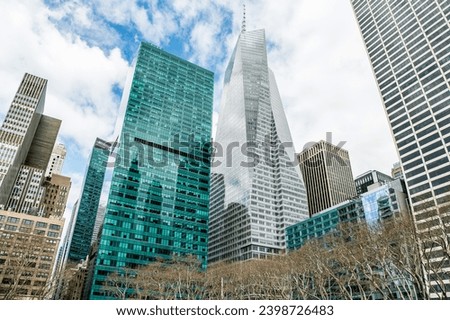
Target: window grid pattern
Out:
[254,196]
[158,202]
[408,43]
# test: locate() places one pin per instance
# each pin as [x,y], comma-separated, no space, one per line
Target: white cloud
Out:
[324,77]
[80,77]
[315,51]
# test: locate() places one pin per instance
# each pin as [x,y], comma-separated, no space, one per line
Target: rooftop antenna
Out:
[244,21]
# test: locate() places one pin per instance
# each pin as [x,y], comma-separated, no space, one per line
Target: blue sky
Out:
[84,48]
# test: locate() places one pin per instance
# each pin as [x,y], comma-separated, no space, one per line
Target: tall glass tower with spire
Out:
[256,189]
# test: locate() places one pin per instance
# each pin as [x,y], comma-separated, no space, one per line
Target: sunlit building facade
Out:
[32,207]
[371,207]
[256,189]
[158,200]
[18,130]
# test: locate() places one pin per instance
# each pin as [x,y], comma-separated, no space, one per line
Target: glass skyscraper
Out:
[159,195]
[89,201]
[256,188]
[408,43]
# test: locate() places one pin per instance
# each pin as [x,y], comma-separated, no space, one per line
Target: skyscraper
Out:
[57,189]
[56,161]
[28,190]
[98,222]
[328,176]
[18,130]
[158,200]
[408,44]
[256,189]
[31,227]
[369,178]
[89,201]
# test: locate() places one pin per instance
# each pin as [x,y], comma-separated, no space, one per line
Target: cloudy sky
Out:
[84,48]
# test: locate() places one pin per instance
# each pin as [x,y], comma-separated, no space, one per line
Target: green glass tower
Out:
[89,201]
[159,195]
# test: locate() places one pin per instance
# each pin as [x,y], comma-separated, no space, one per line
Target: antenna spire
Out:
[244,20]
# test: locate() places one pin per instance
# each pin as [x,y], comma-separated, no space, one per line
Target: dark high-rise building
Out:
[257,190]
[408,44]
[328,176]
[43,142]
[158,201]
[89,201]
[369,178]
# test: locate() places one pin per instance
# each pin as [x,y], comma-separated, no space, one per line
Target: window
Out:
[13,220]
[10,227]
[55,227]
[27,222]
[41,224]
[53,234]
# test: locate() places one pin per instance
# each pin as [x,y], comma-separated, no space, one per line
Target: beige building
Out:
[327,175]
[57,189]
[28,247]
[31,205]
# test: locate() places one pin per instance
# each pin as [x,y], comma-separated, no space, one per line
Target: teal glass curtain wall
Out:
[159,196]
[89,201]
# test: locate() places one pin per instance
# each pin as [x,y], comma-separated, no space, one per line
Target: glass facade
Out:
[363,181]
[159,196]
[371,207]
[89,201]
[256,189]
[408,43]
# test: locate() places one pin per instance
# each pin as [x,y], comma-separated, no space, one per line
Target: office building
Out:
[376,205]
[57,190]
[98,222]
[18,130]
[28,247]
[76,282]
[28,189]
[397,171]
[56,161]
[328,176]
[408,44]
[158,200]
[370,178]
[31,226]
[26,196]
[373,208]
[89,201]
[62,257]
[256,189]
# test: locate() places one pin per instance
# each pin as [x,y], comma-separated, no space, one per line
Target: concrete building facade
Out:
[408,44]
[327,174]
